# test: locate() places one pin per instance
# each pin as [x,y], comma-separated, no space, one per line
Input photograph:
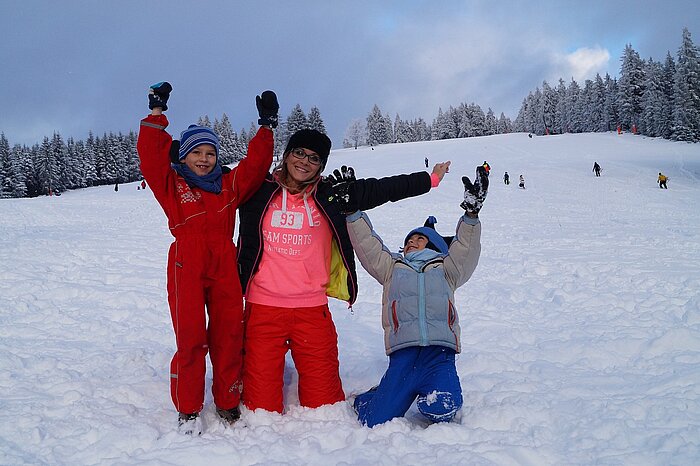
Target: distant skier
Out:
[506,178]
[143,184]
[596,168]
[426,162]
[487,167]
[522,182]
[662,181]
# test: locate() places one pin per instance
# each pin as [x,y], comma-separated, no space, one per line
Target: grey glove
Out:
[474,194]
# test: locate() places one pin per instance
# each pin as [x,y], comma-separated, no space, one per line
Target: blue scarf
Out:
[210,182]
[417,259]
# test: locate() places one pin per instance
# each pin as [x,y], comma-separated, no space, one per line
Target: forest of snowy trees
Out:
[657,99]
[462,121]
[652,98]
[55,165]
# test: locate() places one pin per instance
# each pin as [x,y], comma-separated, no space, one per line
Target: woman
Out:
[294,252]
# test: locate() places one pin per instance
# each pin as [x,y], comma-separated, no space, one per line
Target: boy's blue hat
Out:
[196,136]
[435,241]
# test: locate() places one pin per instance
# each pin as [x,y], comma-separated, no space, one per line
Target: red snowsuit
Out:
[202,265]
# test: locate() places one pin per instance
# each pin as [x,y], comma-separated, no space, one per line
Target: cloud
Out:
[464,60]
[583,63]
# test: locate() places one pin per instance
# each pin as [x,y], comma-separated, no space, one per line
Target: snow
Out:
[580,326]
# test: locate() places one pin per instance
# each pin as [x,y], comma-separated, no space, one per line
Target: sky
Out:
[580,327]
[75,66]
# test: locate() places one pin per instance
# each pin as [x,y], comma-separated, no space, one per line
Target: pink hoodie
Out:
[294,269]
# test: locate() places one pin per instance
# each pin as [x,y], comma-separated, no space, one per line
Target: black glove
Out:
[341,185]
[158,95]
[175,151]
[474,194]
[267,108]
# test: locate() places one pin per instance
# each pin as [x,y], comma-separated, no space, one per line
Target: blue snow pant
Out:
[426,372]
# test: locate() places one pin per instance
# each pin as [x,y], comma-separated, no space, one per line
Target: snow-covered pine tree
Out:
[57,162]
[421,130]
[560,110]
[204,121]
[111,150]
[610,105]
[599,118]
[315,121]
[376,132]
[504,124]
[20,161]
[6,173]
[132,157]
[355,134]
[667,84]
[32,169]
[519,123]
[442,126]
[464,122]
[296,120]
[491,123]
[574,114]
[548,107]
[228,141]
[630,88]
[652,100]
[90,157]
[686,92]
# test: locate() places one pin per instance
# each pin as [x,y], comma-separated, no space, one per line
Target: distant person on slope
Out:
[506,178]
[200,198]
[662,181]
[522,182]
[295,253]
[596,168]
[420,320]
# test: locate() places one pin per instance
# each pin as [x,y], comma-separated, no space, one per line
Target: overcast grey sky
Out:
[76,66]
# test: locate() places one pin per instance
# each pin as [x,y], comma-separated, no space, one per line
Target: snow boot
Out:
[229,415]
[189,424]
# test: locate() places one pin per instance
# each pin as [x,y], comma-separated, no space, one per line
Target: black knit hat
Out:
[312,140]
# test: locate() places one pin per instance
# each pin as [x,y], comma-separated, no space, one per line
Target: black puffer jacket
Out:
[367,192]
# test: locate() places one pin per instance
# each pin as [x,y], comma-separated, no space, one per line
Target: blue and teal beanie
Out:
[436,242]
[196,136]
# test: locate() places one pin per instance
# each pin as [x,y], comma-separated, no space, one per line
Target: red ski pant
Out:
[310,334]
[203,275]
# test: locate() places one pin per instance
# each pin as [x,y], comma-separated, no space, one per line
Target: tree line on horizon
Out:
[55,165]
[650,98]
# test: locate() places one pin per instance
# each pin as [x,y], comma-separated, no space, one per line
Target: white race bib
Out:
[289,220]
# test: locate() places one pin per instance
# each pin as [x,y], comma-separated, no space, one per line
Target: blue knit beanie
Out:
[435,241]
[196,136]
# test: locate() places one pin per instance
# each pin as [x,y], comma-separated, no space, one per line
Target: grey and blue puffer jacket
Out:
[418,305]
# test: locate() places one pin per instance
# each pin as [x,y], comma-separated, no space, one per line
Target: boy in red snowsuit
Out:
[200,198]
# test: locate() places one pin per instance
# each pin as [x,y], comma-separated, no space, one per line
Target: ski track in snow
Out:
[580,326]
